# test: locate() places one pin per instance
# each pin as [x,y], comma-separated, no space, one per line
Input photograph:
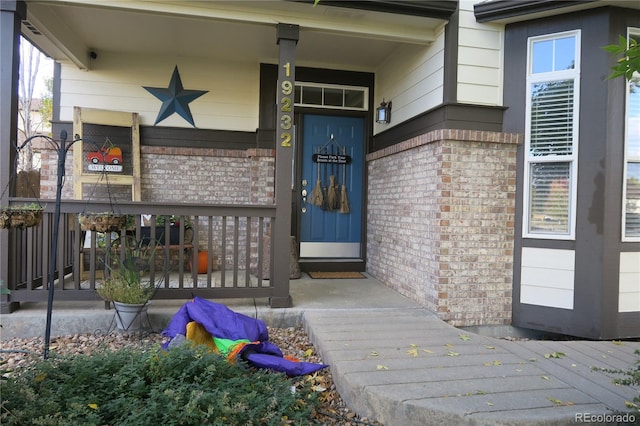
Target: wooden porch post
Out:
[287,38]
[12,12]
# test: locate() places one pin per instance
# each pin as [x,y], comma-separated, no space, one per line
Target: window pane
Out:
[633,120]
[632,208]
[551,118]
[333,97]
[312,95]
[554,55]
[297,94]
[542,56]
[550,197]
[565,54]
[354,98]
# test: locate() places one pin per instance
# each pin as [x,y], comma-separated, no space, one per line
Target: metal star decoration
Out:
[175,99]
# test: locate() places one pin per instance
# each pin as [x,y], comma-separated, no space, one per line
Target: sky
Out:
[45,71]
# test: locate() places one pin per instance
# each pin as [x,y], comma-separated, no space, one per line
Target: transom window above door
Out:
[331,96]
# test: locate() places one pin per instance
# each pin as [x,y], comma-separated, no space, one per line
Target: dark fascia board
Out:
[438,9]
[503,9]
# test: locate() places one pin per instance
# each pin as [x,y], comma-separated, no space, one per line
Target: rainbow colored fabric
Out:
[233,335]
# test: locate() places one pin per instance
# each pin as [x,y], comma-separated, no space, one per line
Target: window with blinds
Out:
[551,135]
[631,208]
[552,118]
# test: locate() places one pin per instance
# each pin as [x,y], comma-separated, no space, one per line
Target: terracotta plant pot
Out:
[203,262]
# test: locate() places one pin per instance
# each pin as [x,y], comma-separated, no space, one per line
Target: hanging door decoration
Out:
[331,162]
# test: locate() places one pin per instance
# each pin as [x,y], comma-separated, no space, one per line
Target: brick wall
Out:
[191,175]
[214,176]
[188,175]
[441,222]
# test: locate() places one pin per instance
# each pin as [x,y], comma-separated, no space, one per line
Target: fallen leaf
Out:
[308,353]
[496,362]
[464,337]
[555,401]
[617,342]
[451,353]
[318,388]
[490,347]
[93,406]
[40,377]
[373,353]
[427,351]
[381,367]
[448,345]
[629,404]
[490,404]
[574,365]
[413,345]
[545,377]
[412,352]
[554,355]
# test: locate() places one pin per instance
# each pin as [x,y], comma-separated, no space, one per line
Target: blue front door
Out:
[332,163]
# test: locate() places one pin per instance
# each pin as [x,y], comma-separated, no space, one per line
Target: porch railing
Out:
[233,236]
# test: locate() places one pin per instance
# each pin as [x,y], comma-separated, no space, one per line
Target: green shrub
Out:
[630,377]
[185,386]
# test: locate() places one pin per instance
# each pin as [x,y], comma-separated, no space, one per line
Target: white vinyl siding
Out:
[412,78]
[547,277]
[116,83]
[480,59]
[629,292]
[551,136]
[631,201]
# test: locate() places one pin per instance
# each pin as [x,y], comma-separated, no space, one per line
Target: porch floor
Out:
[396,362]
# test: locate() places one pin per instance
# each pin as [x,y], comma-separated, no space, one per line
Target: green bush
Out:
[185,386]
[630,377]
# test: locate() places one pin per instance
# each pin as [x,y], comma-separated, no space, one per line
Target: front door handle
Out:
[304,201]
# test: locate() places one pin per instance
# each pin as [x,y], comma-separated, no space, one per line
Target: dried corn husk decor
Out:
[316,198]
[102,222]
[344,201]
[333,202]
[25,216]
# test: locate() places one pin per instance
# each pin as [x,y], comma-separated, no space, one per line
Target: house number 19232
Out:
[286,121]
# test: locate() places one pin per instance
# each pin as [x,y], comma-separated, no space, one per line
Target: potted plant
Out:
[174,229]
[127,285]
[21,216]
[102,222]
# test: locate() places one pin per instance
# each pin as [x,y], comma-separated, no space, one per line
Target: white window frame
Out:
[572,159]
[631,32]
[364,90]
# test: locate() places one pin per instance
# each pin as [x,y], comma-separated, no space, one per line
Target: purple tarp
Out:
[222,322]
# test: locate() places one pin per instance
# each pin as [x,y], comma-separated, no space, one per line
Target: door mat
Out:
[335,275]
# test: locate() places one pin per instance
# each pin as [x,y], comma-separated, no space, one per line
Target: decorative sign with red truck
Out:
[108,158]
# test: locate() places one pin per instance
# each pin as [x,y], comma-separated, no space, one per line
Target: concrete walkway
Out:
[396,362]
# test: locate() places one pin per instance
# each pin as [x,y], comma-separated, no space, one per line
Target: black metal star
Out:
[175,99]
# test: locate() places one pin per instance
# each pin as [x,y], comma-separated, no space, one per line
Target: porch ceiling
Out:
[230,30]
